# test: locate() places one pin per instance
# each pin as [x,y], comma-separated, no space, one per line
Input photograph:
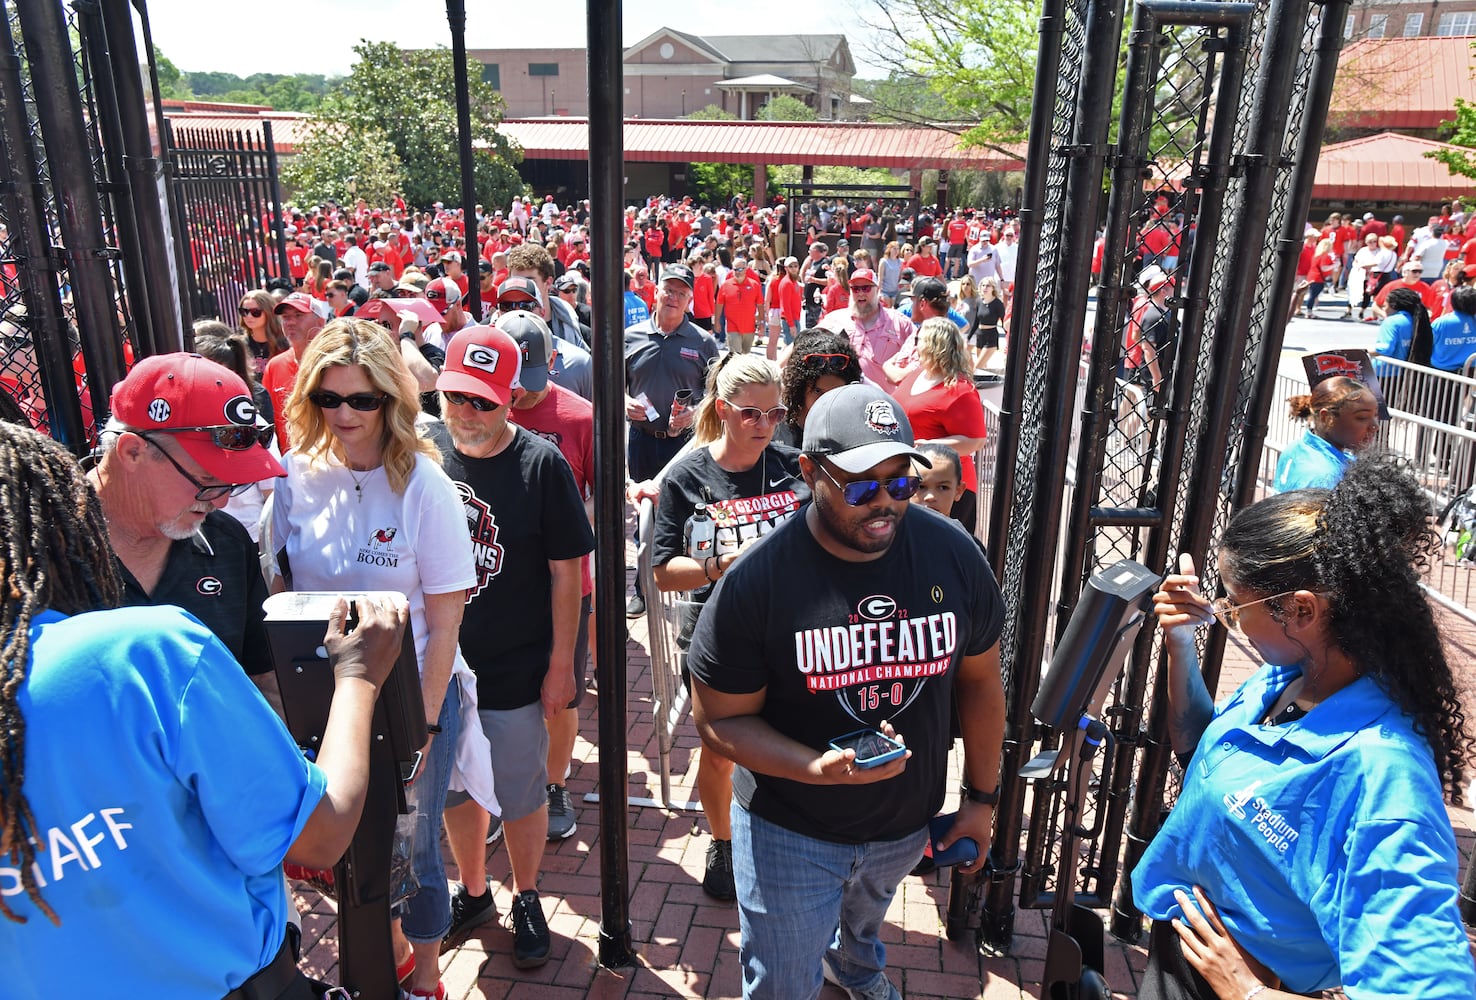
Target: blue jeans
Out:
[802,899]
[426,916]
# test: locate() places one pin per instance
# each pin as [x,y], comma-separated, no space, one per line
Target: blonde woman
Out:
[988,322]
[889,272]
[365,506]
[942,405]
[264,335]
[748,485]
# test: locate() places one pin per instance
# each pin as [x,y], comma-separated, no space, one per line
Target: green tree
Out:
[172,84]
[408,99]
[341,163]
[712,113]
[784,108]
[1460,132]
[975,57]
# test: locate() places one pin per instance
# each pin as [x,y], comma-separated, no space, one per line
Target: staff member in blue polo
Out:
[663,354]
[1310,848]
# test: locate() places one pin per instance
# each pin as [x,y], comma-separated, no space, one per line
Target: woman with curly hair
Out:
[817,362]
[1310,848]
[365,506]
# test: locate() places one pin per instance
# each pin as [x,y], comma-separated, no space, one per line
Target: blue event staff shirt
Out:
[1324,843]
[1455,341]
[168,795]
[1395,334]
[1310,461]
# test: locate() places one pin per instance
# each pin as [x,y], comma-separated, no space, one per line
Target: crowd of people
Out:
[806,429]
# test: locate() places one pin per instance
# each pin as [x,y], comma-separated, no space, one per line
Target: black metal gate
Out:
[228,215]
[79,205]
[1221,117]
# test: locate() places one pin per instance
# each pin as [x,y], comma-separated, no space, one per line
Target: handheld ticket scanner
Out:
[1086,664]
[295,626]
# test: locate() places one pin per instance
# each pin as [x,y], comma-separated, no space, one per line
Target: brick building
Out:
[670,74]
[1409,18]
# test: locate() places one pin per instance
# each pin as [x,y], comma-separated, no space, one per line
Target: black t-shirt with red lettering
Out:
[742,505]
[838,646]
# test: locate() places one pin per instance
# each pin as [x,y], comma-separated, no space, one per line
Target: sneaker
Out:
[635,607]
[718,881]
[530,931]
[439,994]
[560,814]
[881,987]
[494,831]
[467,914]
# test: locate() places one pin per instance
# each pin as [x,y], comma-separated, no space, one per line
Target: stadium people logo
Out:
[881,418]
[379,551]
[240,410]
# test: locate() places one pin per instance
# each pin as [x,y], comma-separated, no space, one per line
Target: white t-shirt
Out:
[415,543]
[357,259]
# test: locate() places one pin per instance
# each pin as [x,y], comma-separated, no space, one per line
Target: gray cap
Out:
[535,341]
[857,427]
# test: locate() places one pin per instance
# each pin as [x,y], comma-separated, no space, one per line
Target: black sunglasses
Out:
[231,437]
[203,493]
[475,402]
[251,311]
[864,490]
[365,402]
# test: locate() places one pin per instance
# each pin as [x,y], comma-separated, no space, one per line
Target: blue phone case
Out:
[870,735]
[964,850]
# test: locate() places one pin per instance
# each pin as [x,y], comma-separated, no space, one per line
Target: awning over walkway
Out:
[1386,167]
[846,144]
[1402,83]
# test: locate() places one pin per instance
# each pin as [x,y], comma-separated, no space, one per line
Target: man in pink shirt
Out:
[875,332]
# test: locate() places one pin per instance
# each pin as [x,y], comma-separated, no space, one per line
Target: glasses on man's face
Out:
[1228,614]
[203,493]
[862,491]
[365,402]
[475,402]
[253,311]
[522,305]
[751,415]
[828,364]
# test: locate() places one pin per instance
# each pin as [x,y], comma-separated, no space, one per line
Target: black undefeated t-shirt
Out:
[215,575]
[523,509]
[838,646]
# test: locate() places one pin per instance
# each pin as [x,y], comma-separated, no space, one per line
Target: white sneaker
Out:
[881,987]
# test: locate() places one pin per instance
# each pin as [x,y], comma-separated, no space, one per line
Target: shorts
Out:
[519,741]
[581,651]
[986,337]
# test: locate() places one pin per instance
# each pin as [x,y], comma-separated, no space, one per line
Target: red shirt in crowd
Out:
[925,265]
[944,411]
[739,303]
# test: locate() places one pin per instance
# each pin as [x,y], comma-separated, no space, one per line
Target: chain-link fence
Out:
[1213,111]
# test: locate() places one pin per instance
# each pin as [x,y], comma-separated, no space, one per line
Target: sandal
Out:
[439,994]
[403,971]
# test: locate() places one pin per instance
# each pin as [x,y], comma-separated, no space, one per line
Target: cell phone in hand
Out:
[964,850]
[872,747]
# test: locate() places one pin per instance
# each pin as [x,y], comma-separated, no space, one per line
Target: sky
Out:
[317,36]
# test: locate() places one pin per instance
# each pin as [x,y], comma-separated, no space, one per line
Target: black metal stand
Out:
[366,958]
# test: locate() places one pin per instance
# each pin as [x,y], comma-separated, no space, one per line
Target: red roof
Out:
[1402,83]
[1386,167]
[846,144]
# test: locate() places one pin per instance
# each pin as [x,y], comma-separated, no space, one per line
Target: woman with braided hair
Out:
[147,792]
[1310,847]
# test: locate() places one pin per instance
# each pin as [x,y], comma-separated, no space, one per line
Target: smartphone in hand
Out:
[871,746]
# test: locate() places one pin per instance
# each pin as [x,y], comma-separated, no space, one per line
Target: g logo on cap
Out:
[240,410]
[481,357]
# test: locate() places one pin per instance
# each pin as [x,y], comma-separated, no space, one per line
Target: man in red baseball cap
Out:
[531,534]
[183,437]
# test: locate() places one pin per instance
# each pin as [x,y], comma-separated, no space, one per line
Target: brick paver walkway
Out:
[687,944]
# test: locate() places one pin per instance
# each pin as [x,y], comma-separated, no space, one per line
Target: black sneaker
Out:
[560,814]
[467,914]
[530,931]
[718,882]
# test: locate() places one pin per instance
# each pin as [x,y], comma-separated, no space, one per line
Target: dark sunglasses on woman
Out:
[829,364]
[365,402]
[252,311]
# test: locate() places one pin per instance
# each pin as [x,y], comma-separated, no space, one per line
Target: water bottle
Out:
[701,533]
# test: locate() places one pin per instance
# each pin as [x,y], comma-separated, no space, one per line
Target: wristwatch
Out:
[983,798]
